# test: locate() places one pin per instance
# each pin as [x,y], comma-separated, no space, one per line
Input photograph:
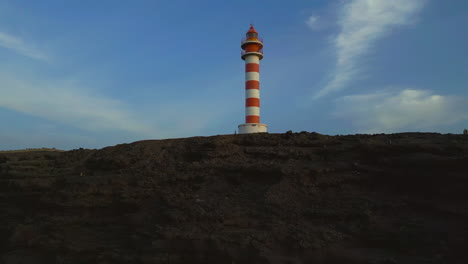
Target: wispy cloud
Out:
[312,22]
[67,103]
[362,23]
[19,46]
[407,110]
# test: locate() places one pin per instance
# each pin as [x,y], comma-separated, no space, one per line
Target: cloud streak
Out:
[66,103]
[362,23]
[19,46]
[407,110]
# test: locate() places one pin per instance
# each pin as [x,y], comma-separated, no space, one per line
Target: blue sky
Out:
[97,73]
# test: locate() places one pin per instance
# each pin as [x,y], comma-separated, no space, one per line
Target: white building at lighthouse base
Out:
[248,128]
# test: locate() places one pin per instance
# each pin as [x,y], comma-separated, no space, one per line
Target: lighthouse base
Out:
[248,128]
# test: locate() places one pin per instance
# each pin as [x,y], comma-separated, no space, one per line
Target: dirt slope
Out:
[264,198]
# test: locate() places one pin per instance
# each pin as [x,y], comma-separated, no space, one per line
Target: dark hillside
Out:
[259,198]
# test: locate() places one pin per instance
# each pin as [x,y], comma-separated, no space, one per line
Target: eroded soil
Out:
[263,198]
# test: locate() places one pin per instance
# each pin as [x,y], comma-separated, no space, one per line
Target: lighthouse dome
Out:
[252,30]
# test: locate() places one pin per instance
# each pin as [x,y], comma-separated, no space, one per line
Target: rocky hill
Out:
[259,198]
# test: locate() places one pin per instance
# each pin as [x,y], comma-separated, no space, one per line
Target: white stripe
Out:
[252,76]
[252,93]
[252,59]
[252,110]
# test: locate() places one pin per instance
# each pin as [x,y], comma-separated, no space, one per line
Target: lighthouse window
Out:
[252,35]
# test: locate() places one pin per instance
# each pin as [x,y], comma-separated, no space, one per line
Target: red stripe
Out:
[252,67]
[252,85]
[252,119]
[252,102]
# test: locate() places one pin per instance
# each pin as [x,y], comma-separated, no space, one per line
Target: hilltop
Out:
[258,198]
[30,150]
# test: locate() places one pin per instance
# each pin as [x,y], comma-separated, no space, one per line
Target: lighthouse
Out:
[252,53]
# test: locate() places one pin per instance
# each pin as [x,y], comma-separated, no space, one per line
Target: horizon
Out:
[90,75]
[220,135]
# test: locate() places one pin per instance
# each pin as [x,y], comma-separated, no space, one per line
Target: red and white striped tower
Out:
[252,53]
